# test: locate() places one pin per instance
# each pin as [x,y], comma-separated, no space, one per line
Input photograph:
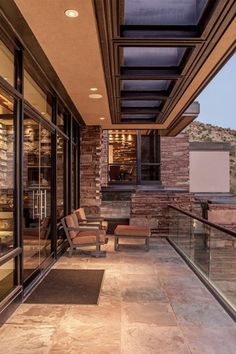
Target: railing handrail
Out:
[204,221]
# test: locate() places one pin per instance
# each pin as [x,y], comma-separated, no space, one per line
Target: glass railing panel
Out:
[185,234]
[200,248]
[174,225]
[223,264]
[210,248]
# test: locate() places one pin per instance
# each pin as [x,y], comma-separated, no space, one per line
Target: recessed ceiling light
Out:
[71,13]
[95,95]
[102,118]
[93,89]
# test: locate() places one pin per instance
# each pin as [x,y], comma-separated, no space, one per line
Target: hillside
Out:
[207,132]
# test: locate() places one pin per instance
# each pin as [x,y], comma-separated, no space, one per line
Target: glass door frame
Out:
[46,125]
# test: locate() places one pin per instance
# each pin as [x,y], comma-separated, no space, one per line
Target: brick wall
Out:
[90,169]
[175,161]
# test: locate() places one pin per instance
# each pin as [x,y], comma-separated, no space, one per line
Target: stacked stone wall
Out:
[90,169]
[151,208]
[175,161]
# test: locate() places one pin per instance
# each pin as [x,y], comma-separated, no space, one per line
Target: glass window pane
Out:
[163,12]
[139,118]
[145,85]
[152,56]
[60,120]
[6,278]
[74,177]
[37,195]
[122,156]
[141,103]
[6,64]
[36,96]
[60,176]
[6,173]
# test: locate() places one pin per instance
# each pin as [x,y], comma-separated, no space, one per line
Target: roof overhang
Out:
[105,48]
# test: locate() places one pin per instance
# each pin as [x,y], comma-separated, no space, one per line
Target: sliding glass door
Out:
[37,195]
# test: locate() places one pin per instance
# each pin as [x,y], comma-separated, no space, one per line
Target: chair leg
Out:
[116,243]
[70,252]
[147,243]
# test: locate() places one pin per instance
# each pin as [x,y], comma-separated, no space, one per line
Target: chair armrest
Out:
[95,219]
[89,228]
[73,228]
[92,225]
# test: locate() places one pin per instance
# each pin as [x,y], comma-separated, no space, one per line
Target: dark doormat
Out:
[66,286]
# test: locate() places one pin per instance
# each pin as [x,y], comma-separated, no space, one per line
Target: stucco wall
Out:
[209,171]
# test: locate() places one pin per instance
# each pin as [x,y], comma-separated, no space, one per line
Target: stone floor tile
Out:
[204,314]
[211,340]
[146,339]
[159,314]
[35,314]
[18,339]
[147,290]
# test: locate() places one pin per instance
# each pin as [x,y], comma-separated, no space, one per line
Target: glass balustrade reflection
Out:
[211,250]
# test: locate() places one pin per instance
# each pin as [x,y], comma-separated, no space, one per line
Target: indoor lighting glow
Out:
[93,89]
[71,13]
[129,137]
[102,118]
[95,95]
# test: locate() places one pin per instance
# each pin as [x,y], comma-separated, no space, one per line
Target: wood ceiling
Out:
[152,51]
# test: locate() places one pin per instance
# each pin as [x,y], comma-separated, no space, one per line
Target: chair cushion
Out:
[83,237]
[72,221]
[132,230]
[104,224]
[80,213]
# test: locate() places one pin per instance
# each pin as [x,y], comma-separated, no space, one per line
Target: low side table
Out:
[132,232]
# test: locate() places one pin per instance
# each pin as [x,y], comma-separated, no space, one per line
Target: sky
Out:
[218,99]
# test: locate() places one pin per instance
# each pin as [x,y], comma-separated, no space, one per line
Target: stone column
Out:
[90,169]
[175,161]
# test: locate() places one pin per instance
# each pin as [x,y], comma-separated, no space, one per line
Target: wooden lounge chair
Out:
[84,220]
[82,235]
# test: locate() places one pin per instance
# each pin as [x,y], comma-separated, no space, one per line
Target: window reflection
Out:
[6,173]
[60,176]
[122,156]
[37,195]
[35,96]
[6,64]
[6,278]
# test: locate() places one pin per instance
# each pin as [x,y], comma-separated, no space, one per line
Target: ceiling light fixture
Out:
[95,95]
[93,89]
[71,13]
[101,118]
